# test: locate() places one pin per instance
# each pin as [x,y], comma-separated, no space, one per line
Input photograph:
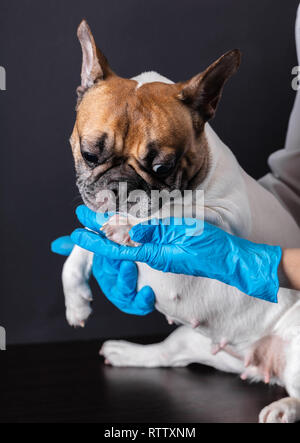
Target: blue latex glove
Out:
[199,250]
[117,280]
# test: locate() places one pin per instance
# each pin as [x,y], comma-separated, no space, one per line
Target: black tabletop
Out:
[69,383]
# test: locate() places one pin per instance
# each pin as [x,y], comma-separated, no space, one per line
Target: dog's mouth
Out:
[108,206]
[93,205]
[116,196]
[123,190]
[120,197]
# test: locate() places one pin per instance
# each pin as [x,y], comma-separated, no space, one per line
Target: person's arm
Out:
[191,247]
[290,264]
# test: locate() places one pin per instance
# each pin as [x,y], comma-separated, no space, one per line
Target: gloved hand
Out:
[197,249]
[117,280]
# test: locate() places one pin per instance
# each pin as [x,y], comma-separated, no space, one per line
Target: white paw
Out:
[77,315]
[75,277]
[117,229]
[122,353]
[78,305]
[282,411]
[117,352]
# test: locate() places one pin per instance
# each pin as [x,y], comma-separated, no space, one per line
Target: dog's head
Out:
[150,136]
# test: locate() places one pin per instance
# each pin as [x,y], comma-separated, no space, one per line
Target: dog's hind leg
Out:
[287,410]
[78,296]
[182,347]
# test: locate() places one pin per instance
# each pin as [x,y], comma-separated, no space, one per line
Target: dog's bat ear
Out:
[203,92]
[94,64]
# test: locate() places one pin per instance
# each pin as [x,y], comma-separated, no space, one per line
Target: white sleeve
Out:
[284,179]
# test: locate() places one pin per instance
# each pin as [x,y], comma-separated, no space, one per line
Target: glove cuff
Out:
[272,283]
[264,282]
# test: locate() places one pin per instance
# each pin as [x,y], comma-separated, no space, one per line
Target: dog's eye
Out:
[90,158]
[161,169]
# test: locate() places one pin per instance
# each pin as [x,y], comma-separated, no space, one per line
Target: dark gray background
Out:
[40,52]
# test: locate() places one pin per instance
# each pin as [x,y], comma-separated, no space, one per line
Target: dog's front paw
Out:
[78,295]
[283,411]
[78,310]
[117,229]
[78,300]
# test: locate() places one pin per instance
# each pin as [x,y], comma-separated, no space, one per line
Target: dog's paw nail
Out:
[267,378]
[244,376]
[82,324]
[107,362]
[195,323]
[169,320]
[215,349]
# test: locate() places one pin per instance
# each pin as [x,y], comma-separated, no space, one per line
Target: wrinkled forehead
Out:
[133,115]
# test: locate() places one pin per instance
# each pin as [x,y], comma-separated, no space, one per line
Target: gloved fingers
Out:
[106,265]
[100,245]
[143,303]
[105,274]
[90,219]
[145,233]
[166,231]
[127,280]
[145,300]
[94,243]
[111,266]
[63,246]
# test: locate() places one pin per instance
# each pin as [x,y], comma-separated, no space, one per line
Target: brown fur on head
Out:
[150,136]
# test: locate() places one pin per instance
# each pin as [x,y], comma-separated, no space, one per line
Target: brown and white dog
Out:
[154,134]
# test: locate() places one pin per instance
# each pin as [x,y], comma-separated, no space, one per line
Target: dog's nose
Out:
[120,185]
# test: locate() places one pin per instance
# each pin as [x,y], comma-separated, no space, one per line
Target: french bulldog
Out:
[154,134]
